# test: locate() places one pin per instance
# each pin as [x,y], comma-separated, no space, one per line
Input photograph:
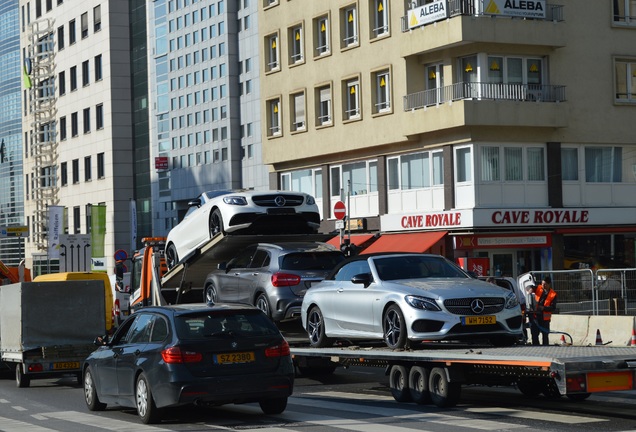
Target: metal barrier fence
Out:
[587,292]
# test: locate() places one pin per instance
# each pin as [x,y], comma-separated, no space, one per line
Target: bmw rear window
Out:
[220,323]
[311,261]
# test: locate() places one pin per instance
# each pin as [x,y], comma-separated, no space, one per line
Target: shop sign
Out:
[530,240]
[515,8]
[427,14]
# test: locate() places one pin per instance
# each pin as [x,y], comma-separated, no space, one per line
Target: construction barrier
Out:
[593,330]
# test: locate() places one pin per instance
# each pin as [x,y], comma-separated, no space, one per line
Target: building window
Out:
[60,38]
[625,12]
[85,74]
[62,83]
[411,171]
[323,110]
[349,16]
[273,117]
[75,171]
[84,21]
[536,165]
[62,128]
[271,57]
[361,177]
[98,67]
[438,168]
[295,35]
[382,92]
[38,8]
[87,168]
[100,165]
[464,165]
[97,18]
[87,120]
[351,90]
[490,165]
[77,222]
[321,36]
[63,174]
[71,32]
[73,73]
[513,162]
[603,164]
[569,163]
[308,181]
[298,112]
[380,17]
[74,125]
[99,116]
[625,80]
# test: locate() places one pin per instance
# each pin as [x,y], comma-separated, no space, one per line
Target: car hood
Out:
[450,288]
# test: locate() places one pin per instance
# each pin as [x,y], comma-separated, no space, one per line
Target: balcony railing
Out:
[484,91]
[476,8]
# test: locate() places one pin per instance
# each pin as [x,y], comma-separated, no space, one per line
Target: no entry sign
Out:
[339,210]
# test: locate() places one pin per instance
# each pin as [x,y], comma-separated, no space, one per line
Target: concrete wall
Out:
[614,330]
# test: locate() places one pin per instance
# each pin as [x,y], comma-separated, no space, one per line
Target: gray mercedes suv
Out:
[273,277]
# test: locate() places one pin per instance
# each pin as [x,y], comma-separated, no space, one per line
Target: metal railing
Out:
[484,91]
[476,8]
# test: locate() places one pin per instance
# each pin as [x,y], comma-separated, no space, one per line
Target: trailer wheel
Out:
[394,328]
[418,385]
[531,389]
[316,329]
[444,393]
[216,223]
[399,383]
[579,396]
[171,256]
[551,390]
[22,380]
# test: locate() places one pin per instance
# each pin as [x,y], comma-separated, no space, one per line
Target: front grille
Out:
[269,200]
[492,305]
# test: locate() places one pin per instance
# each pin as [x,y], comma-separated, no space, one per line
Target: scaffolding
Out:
[43,147]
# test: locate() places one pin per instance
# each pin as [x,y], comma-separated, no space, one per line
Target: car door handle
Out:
[115,355]
[137,352]
[340,290]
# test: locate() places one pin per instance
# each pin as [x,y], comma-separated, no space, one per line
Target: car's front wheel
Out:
[171,256]
[216,223]
[316,328]
[394,328]
[146,408]
[209,294]
[90,392]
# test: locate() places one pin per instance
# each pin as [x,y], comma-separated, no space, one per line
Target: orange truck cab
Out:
[9,275]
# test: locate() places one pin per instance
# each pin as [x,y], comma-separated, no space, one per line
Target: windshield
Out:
[311,260]
[244,323]
[416,267]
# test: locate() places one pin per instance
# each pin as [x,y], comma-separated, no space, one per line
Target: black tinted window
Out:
[311,260]
[416,267]
[350,270]
[140,330]
[159,329]
[204,325]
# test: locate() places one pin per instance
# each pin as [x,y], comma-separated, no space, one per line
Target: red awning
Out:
[411,242]
[356,239]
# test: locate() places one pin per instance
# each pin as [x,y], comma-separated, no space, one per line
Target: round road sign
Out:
[339,210]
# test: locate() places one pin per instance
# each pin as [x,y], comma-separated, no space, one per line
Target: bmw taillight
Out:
[176,355]
[285,279]
[281,350]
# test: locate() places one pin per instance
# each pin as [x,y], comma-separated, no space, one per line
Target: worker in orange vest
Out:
[546,300]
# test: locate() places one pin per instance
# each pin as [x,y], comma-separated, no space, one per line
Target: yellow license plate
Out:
[239,357]
[66,365]
[479,320]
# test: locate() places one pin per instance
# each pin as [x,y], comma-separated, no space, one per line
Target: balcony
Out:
[486,104]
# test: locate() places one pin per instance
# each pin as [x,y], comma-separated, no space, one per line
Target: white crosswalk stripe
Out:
[91,420]
[10,425]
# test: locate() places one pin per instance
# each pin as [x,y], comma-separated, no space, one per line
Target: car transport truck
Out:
[48,328]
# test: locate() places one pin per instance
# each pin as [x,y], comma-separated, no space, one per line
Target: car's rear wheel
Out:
[263,304]
[209,294]
[171,256]
[146,408]
[316,328]
[394,328]
[216,223]
[273,406]
[90,392]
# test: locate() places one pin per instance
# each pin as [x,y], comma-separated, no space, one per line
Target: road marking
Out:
[19,408]
[4,401]
[557,418]
[10,425]
[93,420]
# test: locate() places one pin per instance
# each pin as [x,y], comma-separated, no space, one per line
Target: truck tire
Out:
[530,388]
[444,393]
[216,223]
[394,328]
[418,385]
[316,329]
[146,408]
[22,380]
[90,392]
[578,396]
[399,383]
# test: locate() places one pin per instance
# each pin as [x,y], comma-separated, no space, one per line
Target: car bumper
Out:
[265,223]
[429,328]
[287,309]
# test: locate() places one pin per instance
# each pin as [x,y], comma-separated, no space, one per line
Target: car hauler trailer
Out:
[436,372]
[48,328]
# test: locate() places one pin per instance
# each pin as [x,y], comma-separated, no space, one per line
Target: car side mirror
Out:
[194,203]
[222,266]
[362,278]
[101,340]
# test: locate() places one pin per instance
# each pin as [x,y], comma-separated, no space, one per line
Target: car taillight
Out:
[281,350]
[285,279]
[175,355]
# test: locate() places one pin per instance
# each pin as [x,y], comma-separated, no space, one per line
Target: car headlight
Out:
[511,301]
[235,200]
[310,200]
[422,303]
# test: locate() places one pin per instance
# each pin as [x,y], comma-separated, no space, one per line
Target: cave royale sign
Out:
[503,218]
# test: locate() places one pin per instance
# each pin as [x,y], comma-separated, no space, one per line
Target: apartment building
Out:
[77,119]
[497,133]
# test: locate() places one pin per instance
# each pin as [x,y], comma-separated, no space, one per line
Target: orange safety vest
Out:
[547,302]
